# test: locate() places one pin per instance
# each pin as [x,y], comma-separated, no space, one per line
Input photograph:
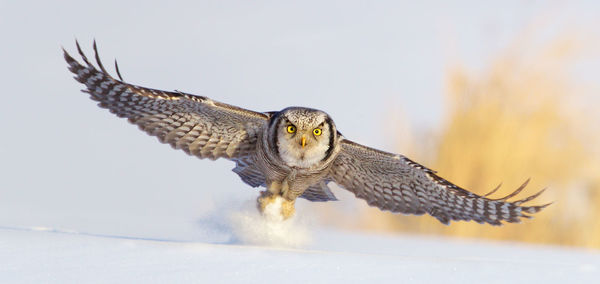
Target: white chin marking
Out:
[307,158]
[251,227]
[301,163]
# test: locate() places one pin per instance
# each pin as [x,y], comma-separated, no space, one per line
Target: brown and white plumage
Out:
[197,125]
[395,183]
[291,164]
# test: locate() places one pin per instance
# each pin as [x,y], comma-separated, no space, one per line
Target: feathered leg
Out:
[270,196]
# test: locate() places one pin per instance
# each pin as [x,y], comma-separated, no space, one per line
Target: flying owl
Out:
[293,153]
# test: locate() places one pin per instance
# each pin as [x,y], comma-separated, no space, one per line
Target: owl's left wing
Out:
[197,125]
[395,183]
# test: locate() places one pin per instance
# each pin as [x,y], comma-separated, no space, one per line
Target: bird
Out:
[295,152]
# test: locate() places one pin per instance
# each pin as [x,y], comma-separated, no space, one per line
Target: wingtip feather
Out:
[97,56]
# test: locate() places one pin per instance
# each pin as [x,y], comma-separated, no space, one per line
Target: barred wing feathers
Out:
[197,125]
[397,184]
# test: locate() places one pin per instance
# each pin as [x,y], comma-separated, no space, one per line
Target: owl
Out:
[295,152]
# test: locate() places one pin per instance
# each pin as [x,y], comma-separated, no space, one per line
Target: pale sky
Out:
[65,162]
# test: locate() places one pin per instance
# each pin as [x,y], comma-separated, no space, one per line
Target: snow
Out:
[313,253]
[250,227]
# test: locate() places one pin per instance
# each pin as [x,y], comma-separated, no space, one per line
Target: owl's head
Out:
[303,137]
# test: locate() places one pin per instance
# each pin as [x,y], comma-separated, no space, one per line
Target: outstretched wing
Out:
[395,183]
[197,125]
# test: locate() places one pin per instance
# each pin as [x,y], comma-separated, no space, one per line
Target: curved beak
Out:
[303,141]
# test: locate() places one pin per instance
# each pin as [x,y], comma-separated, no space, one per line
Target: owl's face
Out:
[304,136]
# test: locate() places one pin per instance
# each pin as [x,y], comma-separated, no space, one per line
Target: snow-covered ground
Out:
[48,255]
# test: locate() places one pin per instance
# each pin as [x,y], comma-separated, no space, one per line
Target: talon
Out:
[287,208]
[265,199]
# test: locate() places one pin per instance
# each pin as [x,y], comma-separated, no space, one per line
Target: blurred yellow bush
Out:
[519,119]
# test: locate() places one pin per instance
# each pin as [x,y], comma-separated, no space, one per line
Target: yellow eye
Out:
[317,131]
[291,129]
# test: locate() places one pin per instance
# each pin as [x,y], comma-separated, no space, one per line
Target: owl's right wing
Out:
[395,183]
[197,125]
